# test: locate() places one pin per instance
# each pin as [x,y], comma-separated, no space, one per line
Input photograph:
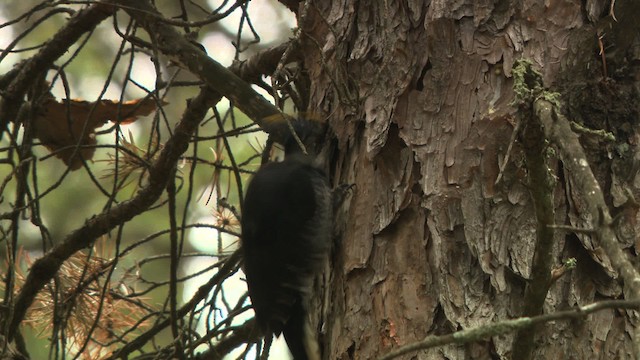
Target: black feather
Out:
[286,235]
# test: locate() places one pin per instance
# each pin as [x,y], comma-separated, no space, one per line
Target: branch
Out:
[201,294]
[264,62]
[84,21]
[507,326]
[558,130]
[47,266]
[175,46]
[248,332]
[541,186]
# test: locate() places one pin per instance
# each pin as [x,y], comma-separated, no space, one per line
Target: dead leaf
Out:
[62,125]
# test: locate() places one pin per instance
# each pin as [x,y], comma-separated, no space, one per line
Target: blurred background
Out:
[104,66]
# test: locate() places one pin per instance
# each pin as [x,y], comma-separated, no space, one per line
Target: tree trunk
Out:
[436,237]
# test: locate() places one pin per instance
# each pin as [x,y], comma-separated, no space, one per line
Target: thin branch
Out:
[175,46]
[201,294]
[19,81]
[573,229]
[541,187]
[44,268]
[558,130]
[47,266]
[84,21]
[505,161]
[234,164]
[243,334]
[508,326]
[173,268]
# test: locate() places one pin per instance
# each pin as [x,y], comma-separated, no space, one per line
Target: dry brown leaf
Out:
[72,122]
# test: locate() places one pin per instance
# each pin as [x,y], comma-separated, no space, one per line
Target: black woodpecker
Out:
[286,238]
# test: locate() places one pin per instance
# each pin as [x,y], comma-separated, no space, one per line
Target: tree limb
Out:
[47,266]
[558,130]
[541,186]
[175,46]
[84,21]
[507,326]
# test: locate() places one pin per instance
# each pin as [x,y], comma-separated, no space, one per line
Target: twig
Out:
[173,266]
[505,161]
[507,326]
[85,20]
[558,130]
[202,293]
[541,186]
[572,229]
[174,45]
[47,266]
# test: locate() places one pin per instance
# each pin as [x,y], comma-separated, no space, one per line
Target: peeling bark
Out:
[419,96]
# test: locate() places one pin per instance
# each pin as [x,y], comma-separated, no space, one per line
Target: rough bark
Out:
[419,95]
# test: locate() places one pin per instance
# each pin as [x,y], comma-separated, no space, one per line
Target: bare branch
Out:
[175,46]
[507,326]
[46,267]
[541,187]
[558,130]
[85,20]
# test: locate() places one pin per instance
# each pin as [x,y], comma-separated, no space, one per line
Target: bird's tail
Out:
[300,337]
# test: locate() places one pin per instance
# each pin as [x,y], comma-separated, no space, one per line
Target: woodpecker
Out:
[286,237]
